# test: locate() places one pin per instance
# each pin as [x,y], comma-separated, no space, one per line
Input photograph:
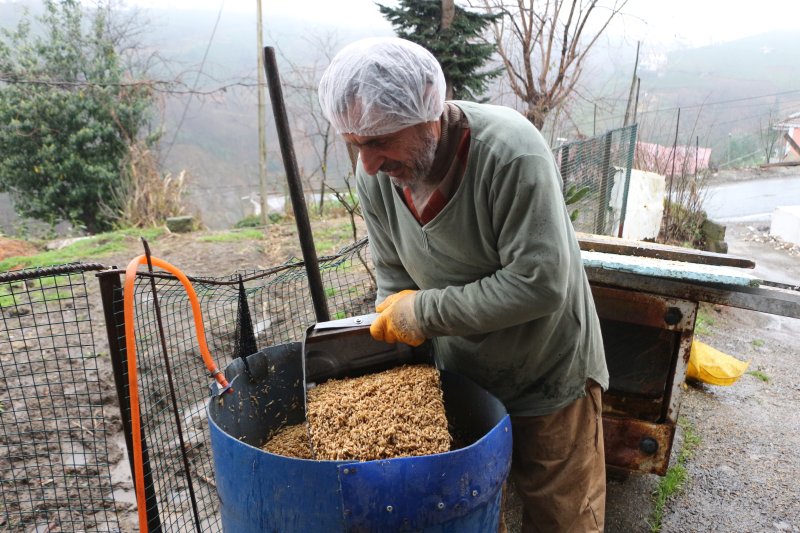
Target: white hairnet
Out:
[381,85]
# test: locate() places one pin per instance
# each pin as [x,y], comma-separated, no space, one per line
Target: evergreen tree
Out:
[457,48]
[68,115]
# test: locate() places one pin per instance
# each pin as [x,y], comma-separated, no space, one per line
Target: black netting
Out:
[278,309]
[57,416]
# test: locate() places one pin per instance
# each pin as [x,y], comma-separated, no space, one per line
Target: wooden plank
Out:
[764,300]
[664,268]
[781,164]
[791,142]
[614,245]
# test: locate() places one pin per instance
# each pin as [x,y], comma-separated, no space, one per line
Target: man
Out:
[474,249]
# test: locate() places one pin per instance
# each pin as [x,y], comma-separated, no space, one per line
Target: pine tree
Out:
[457,48]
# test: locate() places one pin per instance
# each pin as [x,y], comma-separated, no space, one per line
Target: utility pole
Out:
[633,88]
[262,135]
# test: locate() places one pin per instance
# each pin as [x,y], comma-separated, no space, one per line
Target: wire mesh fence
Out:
[174,383]
[596,173]
[57,416]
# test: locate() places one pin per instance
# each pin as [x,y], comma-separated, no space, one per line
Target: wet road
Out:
[751,200]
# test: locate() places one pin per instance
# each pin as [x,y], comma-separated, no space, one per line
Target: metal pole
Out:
[631,154]
[111,291]
[295,187]
[173,396]
[564,167]
[668,210]
[605,189]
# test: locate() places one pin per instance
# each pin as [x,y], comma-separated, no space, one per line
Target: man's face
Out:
[405,155]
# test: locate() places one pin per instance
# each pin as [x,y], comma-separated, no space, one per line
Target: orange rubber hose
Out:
[130,349]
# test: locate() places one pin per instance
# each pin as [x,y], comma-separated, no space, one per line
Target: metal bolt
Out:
[673,316]
[440,505]
[474,493]
[506,429]
[389,508]
[648,445]
[346,471]
[358,320]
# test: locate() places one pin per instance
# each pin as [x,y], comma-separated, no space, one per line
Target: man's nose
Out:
[371,160]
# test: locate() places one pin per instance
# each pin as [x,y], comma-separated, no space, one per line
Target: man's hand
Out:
[397,322]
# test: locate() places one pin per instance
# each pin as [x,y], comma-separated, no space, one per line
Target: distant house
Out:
[790,127]
[659,158]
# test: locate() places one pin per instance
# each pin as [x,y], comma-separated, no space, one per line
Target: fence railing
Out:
[58,414]
[598,171]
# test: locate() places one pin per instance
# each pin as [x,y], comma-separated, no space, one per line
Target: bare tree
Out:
[317,134]
[543,46]
[769,136]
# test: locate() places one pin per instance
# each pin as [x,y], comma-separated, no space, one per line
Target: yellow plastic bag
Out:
[711,366]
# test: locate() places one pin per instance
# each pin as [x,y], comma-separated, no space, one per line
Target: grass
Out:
[329,240]
[6,298]
[248,234]
[759,375]
[94,247]
[703,323]
[676,476]
[757,343]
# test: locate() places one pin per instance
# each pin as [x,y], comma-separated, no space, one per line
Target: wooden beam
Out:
[765,300]
[677,270]
[791,142]
[781,164]
[614,245]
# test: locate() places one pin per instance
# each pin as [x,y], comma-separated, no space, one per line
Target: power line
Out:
[708,104]
[161,86]
[196,81]
[720,102]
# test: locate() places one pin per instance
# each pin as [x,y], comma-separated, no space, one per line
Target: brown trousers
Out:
[558,467]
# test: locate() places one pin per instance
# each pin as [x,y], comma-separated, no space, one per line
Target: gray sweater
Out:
[503,292]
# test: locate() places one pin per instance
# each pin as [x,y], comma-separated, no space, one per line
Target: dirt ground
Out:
[742,475]
[15,247]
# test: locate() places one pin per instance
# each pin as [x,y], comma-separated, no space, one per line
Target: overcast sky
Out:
[696,22]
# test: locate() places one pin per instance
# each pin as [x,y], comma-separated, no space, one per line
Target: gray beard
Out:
[421,180]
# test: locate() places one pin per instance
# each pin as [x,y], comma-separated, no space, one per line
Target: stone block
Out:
[184,224]
[713,231]
[786,223]
[720,247]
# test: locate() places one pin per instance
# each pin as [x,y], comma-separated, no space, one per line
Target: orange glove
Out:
[397,322]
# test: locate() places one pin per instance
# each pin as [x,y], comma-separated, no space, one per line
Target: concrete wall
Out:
[645,204]
[786,223]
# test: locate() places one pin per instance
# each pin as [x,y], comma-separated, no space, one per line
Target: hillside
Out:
[730,88]
[210,120]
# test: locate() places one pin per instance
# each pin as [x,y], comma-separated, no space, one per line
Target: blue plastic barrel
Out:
[458,491]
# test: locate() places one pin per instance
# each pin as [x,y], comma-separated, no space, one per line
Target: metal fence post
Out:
[564,167]
[602,207]
[111,286]
[295,187]
[629,167]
